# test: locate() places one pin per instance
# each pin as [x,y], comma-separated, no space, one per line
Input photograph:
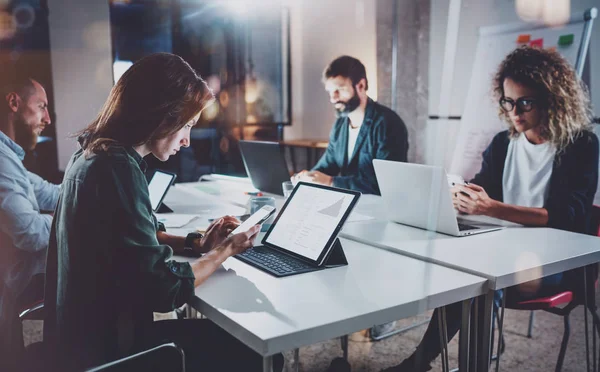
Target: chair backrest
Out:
[165,357]
[34,311]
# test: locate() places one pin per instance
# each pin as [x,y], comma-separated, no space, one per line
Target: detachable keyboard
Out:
[274,262]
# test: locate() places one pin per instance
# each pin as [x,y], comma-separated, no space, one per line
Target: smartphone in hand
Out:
[257,218]
[456,180]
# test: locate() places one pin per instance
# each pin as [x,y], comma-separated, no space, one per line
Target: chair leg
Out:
[563,345]
[530,328]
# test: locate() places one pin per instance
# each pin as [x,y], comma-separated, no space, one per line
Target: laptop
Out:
[158,186]
[419,195]
[304,236]
[265,165]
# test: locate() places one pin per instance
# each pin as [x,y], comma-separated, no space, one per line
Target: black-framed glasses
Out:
[523,104]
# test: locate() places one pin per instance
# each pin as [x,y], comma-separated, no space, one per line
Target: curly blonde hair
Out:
[562,95]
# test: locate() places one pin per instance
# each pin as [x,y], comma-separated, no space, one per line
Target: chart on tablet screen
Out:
[309,220]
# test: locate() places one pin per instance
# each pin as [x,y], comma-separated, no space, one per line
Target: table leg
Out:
[463,336]
[585,311]
[500,330]
[296,366]
[445,337]
[344,342]
[268,364]
[486,333]
[443,342]
[473,347]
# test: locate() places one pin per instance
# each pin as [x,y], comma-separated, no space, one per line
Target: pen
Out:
[254,193]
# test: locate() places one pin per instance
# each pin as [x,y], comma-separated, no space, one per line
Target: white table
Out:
[271,314]
[232,190]
[506,258]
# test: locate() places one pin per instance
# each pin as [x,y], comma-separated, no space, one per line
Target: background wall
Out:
[480,13]
[81,66]
[322,30]
[412,72]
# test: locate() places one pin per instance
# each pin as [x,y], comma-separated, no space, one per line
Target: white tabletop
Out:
[182,198]
[506,257]
[271,314]
[229,191]
[203,197]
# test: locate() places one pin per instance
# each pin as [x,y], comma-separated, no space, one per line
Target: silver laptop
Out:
[419,195]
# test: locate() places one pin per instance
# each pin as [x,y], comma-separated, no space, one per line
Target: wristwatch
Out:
[188,246]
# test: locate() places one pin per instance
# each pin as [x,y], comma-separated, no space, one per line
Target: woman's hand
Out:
[204,266]
[216,233]
[472,199]
[238,243]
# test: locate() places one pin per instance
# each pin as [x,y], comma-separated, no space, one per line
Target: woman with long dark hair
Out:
[109,266]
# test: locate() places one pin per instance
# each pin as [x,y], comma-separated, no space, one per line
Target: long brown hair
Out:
[563,96]
[153,99]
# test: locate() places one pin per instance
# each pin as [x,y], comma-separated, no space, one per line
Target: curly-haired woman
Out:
[542,171]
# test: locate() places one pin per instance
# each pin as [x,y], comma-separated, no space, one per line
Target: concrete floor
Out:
[522,354]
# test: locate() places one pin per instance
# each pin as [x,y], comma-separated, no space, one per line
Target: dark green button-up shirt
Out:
[106,271]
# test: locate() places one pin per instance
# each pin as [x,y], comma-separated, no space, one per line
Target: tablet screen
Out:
[158,186]
[310,220]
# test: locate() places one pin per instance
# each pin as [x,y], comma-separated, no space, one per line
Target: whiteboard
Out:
[480,121]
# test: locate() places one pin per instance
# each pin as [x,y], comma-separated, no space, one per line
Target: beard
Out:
[25,135]
[349,106]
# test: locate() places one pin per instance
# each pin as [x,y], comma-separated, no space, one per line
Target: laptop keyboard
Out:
[273,261]
[464,227]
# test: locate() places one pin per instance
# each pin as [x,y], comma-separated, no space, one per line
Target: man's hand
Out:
[314,177]
[216,234]
[299,176]
[322,178]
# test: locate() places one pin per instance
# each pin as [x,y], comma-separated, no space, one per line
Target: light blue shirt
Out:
[24,231]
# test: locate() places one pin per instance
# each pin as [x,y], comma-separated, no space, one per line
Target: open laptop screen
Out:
[311,220]
[158,186]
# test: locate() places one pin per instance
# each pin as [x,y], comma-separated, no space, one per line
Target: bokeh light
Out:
[524,274]
[7,25]
[210,112]
[549,12]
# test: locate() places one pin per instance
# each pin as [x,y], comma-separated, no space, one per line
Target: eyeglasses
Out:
[523,104]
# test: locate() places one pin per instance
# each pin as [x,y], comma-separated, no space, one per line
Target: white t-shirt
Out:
[352,136]
[527,171]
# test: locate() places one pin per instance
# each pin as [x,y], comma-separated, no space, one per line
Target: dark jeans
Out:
[430,347]
[206,346]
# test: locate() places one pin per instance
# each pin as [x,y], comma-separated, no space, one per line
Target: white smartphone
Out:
[257,218]
[455,179]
